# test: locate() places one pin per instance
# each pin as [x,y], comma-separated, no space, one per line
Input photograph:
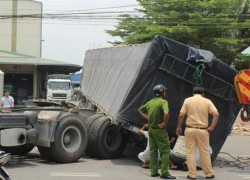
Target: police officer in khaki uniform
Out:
[156,112]
[197,110]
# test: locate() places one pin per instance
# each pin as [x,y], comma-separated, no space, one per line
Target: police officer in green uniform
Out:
[156,112]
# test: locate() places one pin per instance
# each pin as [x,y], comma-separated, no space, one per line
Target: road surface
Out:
[34,167]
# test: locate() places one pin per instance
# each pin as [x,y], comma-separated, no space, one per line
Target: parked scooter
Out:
[4,157]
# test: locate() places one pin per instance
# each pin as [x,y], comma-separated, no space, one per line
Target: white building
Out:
[19,34]
[26,75]
[20,50]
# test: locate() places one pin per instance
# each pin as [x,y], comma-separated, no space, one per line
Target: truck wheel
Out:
[106,140]
[45,152]
[18,150]
[70,140]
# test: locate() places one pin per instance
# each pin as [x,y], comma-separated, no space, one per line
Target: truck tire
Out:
[45,152]
[70,141]
[245,113]
[106,141]
[18,150]
[89,121]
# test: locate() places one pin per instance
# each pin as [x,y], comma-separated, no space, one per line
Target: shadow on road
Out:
[129,156]
[31,160]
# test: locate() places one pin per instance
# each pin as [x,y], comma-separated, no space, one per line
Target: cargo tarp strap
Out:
[198,73]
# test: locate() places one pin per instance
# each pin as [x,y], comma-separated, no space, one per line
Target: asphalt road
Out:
[33,167]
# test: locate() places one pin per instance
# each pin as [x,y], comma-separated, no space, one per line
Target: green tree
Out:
[221,26]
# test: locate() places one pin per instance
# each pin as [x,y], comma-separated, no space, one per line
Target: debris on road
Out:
[240,127]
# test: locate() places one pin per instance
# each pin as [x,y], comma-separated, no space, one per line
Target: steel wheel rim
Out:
[71,139]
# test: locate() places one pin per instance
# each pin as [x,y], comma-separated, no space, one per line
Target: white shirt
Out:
[146,151]
[145,155]
[7,101]
[198,162]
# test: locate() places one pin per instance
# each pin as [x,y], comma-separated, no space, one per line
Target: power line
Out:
[136,5]
[204,25]
[116,12]
[79,15]
[84,11]
[229,17]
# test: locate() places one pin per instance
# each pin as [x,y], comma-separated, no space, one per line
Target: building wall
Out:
[21,35]
[5,25]
[29,30]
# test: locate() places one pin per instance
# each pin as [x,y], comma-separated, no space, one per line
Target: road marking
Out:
[245,176]
[58,174]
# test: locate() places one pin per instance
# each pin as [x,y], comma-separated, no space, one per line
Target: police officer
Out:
[197,108]
[156,112]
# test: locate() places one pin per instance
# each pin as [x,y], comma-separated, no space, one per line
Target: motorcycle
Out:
[4,157]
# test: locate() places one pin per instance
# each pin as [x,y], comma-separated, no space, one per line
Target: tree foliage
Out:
[221,26]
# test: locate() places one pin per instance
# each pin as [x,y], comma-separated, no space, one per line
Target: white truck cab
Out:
[59,87]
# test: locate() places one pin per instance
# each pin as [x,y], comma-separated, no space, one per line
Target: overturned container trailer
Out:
[117,81]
